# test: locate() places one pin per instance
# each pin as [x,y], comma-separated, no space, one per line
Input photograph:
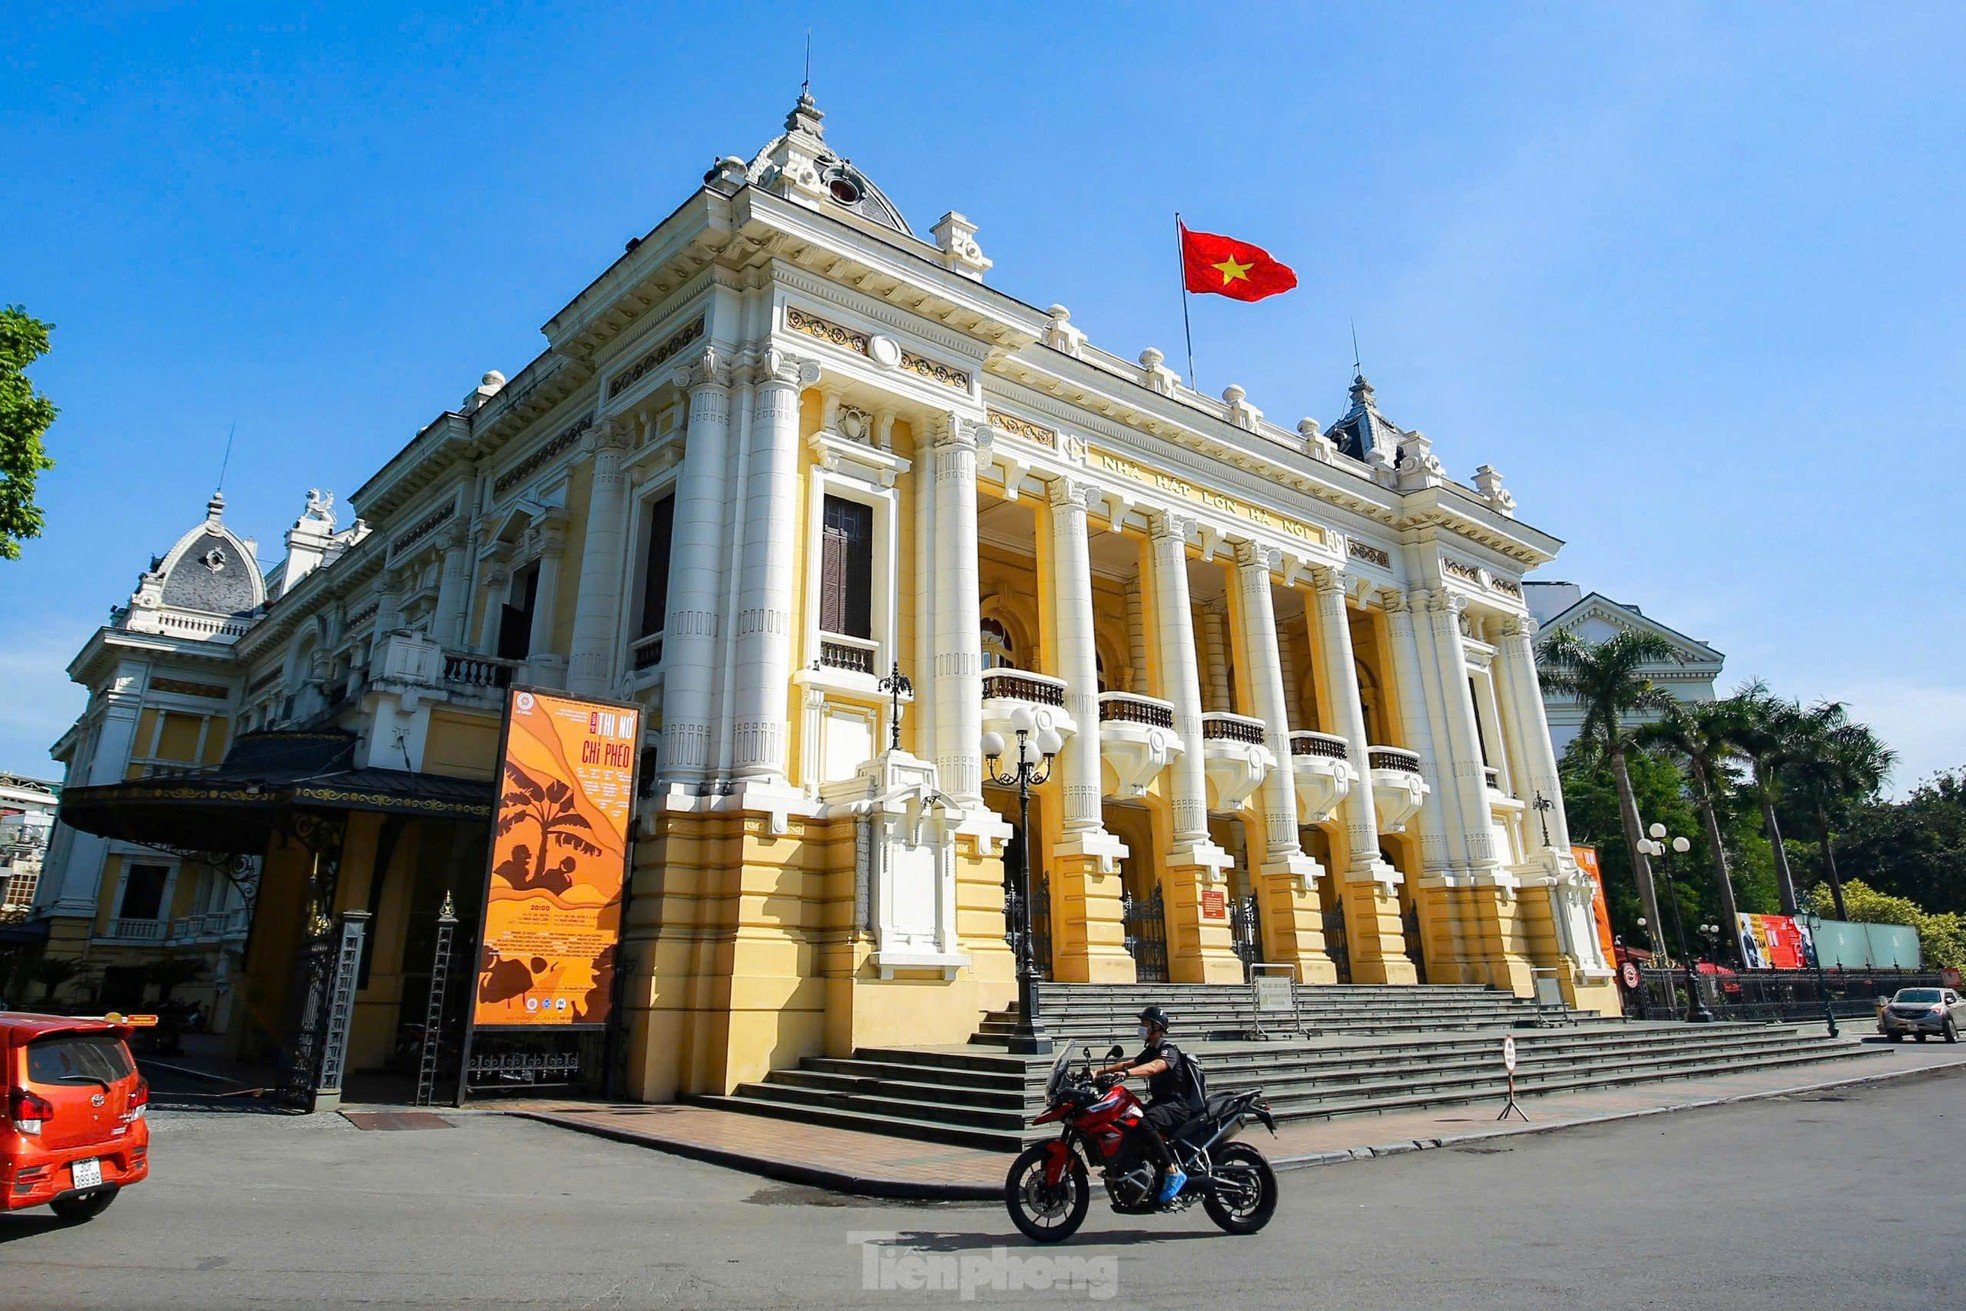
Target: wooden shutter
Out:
[832,572]
[655,569]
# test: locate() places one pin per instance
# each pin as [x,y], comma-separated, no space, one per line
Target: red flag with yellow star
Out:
[1231,268]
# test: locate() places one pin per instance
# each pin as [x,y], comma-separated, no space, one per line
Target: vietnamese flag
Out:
[1231,268]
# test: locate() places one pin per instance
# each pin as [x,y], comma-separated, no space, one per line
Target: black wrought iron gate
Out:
[1146,934]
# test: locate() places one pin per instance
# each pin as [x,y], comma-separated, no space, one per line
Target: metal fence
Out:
[1770,995]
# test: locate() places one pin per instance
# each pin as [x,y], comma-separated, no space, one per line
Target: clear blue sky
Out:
[1690,276]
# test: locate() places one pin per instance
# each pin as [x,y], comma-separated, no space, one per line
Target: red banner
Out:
[559,862]
[1772,942]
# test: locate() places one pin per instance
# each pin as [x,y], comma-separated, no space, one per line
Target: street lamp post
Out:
[1029,1037]
[1655,847]
[1813,920]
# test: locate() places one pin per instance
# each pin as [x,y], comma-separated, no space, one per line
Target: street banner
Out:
[1774,942]
[559,862]
[1586,858]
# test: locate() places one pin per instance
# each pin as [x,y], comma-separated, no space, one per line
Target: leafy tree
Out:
[1941,937]
[1706,738]
[25,415]
[1605,679]
[1838,762]
[54,973]
[1914,848]
[1591,800]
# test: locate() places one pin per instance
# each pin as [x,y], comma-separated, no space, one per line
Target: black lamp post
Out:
[1812,919]
[1696,1006]
[1029,1037]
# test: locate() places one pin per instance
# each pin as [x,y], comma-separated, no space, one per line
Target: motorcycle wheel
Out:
[1245,1193]
[1046,1213]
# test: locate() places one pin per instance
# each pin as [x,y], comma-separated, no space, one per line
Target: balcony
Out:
[1321,767]
[1397,787]
[135,930]
[476,673]
[1492,776]
[849,655]
[645,652]
[1005,691]
[1136,741]
[1234,757]
[211,926]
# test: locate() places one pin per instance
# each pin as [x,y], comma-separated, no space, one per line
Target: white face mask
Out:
[1143,1033]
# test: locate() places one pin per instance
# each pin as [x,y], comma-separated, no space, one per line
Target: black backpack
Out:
[1195,1077]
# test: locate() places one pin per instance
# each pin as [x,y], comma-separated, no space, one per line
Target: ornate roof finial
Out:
[215,508]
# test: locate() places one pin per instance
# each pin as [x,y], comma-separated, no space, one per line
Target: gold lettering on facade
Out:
[1183,490]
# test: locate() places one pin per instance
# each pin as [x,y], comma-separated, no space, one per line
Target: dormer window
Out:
[844,189]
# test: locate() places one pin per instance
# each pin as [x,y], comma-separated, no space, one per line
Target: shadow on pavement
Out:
[924,1240]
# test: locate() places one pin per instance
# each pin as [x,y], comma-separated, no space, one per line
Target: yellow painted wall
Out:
[461,745]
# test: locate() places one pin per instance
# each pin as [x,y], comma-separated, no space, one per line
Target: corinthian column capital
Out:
[1328,581]
[709,369]
[784,369]
[1067,493]
[1256,556]
[1170,524]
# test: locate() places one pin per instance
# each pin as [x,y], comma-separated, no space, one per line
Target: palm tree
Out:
[1706,736]
[1773,737]
[52,973]
[1837,760]
[1605,678]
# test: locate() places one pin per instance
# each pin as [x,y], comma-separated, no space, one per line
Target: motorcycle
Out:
[1048,1190]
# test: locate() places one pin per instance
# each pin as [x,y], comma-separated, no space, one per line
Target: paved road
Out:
[1848,1199]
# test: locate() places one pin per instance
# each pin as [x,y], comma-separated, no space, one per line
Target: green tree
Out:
[1705,738]
[1591,801]
[1837,763]
[1774,732]
[25,415]
[1605,679]
[1916,847]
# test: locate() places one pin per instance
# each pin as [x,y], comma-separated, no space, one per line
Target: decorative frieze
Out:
[1369,553]
[1506,587]
[359,617]
[1170,485]
[935,371]
[812,325]
[264,681]
[183,688]
[1467,573]
[655,359]
[431,523]
[533,463]
[1032,432]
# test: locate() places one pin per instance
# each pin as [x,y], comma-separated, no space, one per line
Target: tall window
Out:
[143,892]
[999,652]
[515,618]
[846,569]
[655,569]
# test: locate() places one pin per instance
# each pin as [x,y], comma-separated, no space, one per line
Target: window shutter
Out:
[655,570]
[832,577]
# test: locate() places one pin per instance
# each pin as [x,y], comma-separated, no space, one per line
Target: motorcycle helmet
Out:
[1155,1017]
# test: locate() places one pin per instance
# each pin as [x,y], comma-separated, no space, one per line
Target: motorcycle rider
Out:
[1172,1098]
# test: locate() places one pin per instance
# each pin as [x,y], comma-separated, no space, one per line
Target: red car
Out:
[74,1132]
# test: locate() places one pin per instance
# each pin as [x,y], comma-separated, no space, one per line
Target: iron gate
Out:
[1336,945]
[1146,934]
[1246,926]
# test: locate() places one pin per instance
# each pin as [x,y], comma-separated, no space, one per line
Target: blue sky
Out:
[1689,275]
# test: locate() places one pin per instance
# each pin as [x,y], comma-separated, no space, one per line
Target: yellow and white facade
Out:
[784,447]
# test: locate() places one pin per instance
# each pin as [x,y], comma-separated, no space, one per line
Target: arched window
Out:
[999,652]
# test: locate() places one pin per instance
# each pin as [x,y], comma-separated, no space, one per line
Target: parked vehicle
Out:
[75,1131]
[1049,1190]
[1921,1012]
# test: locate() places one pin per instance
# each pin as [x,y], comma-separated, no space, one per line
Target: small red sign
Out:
[1214,905]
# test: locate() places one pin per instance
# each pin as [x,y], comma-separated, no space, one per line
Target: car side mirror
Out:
[1117,1052]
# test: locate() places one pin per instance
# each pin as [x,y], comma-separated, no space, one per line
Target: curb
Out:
[812,1176]
[1340,1155]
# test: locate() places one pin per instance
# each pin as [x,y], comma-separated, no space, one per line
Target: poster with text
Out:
[1586,858]
[559,860]
[1774,942]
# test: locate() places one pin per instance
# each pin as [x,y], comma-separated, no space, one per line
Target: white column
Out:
[597,606]
[689,642]
[1460,778]
[1136,639]
[1262,664]
[1078,656]
[1293,691]
[1215,627]
[926,593]
[764,606]
[1416,721]
[958,617]
[543,663]
[497,579]
[453,588]
[1331,634]
[1528,729]
[79,873]
[1187,777]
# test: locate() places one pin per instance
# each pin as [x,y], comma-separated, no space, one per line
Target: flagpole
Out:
[1187,330]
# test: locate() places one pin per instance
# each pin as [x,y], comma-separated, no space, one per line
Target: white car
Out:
[1921,1011]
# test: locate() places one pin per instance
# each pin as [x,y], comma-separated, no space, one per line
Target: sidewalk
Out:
[874,1165]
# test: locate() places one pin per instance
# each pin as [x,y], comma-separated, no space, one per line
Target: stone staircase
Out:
[1365,1050]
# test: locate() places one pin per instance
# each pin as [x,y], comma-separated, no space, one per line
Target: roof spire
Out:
[805,87]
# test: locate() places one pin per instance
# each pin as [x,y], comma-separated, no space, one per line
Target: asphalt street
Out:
[1840,1199]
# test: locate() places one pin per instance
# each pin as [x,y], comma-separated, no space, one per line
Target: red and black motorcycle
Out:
[1049,1188]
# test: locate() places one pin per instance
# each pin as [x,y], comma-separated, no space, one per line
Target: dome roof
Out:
[211,570]
[799,162]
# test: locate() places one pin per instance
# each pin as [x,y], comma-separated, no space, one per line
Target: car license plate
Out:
[88,1174]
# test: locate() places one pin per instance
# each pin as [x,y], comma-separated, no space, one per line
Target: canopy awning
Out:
[239,805]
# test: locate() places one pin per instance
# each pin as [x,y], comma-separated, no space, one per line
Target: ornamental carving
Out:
[183,688]
[1033,432]
[431,523]
[1465,572]
[1506,587]
[662,354]
[813,326]
[935,371]
[1367,552]
[532,464]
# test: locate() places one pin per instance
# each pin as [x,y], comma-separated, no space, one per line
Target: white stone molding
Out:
[955,237]
[1488,484]
[696,576]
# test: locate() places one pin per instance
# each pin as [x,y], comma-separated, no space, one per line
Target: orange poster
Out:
[559,858]
[1587,861]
